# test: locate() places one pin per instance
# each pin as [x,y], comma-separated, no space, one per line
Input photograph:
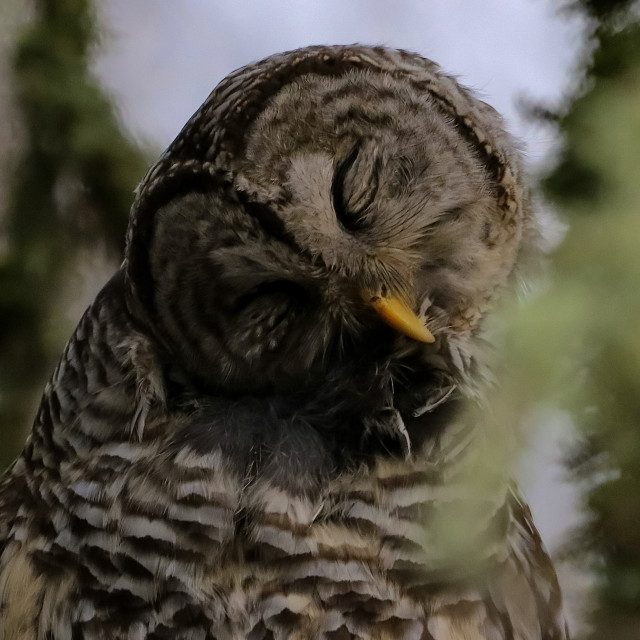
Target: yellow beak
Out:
[397,314]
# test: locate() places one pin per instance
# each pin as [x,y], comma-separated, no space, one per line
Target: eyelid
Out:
[344,217]
[449,215]
[351,208]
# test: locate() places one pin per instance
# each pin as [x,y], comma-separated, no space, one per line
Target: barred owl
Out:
[256,426]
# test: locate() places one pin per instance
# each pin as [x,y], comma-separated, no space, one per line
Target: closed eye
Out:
[281,290]
[450,215]
[349,220]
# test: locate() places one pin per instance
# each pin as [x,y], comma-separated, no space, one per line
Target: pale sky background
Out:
[161,59]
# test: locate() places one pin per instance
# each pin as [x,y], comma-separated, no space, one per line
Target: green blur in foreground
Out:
[577,344]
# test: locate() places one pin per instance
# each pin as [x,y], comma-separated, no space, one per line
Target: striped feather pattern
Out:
[195,473]
[120,537]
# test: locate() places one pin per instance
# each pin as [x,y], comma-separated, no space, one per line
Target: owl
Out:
[263,426]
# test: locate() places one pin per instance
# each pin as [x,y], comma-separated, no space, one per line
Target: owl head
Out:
[330,208]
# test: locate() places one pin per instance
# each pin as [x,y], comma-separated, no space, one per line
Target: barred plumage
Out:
[233,444]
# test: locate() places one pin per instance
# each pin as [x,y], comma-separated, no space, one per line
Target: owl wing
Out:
[527,585]
[519,597]
[12,491]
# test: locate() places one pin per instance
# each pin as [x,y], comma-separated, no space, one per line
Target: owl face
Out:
[338,189]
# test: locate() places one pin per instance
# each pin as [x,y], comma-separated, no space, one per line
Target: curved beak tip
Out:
[397,314]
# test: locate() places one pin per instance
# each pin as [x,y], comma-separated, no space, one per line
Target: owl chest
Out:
[246,555]
[357,559]
[339,559]
[195,549]
[187,543]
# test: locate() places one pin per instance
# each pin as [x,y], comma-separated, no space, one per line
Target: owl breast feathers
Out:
[262,427]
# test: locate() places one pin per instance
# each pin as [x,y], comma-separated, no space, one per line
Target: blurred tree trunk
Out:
[69,192]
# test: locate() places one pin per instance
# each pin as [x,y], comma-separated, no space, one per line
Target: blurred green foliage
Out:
[70,192]
[577,344]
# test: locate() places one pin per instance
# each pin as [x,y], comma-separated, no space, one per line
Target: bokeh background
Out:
[91,92]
